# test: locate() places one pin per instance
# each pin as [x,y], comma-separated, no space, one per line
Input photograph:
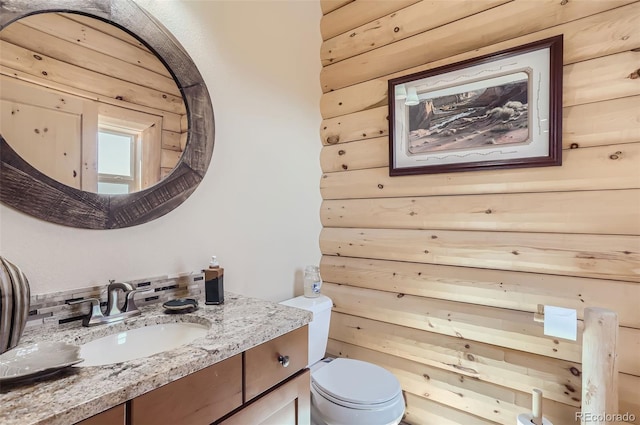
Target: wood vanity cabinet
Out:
[288,404]
[113,416]
[263,364]
[199,398]
[276,383]
[267,384]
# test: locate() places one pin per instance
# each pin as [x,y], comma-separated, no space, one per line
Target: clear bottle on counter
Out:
[312,281]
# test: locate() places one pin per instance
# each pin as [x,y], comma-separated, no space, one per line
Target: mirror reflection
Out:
[88,104]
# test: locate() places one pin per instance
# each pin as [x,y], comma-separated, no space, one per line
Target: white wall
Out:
[258,206]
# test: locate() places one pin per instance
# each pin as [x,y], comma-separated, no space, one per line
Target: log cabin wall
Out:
[83,57]
[436,277]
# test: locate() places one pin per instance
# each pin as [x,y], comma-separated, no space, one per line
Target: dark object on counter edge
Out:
[213,286]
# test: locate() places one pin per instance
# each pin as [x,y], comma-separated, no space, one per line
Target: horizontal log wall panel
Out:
[602,123]
[184,123]
[357,155]
[613,79]
[558,212]
[137,120]
[422,411]
[558,380]
[170,121]
[489,401]
[171,140]
[76,32]
[331,5]
[356,13]
[360,125]
[594,124]
[84,58]
[603,78]
[16,91]
[169,158]
[29,62]
[628,349]
[587,38]
[399,25]
[495,288]
[629,395]
[104,27]
[518,370]
[184,138]
[598,256]
[490,325]
[164,172]
[597,168]
[355,98]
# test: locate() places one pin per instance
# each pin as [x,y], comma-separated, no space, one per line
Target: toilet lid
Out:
[357,382]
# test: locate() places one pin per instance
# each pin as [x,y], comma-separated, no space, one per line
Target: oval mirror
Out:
[89,105]
[105,122]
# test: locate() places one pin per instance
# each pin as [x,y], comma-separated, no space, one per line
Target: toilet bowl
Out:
[346,391]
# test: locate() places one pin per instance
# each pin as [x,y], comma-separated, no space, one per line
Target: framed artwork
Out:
[502,110]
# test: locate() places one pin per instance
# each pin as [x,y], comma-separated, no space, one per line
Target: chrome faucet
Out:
[113,313]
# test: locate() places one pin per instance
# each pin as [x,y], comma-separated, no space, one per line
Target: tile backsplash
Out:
[51,308]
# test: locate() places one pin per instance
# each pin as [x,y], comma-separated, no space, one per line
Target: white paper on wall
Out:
[560,322]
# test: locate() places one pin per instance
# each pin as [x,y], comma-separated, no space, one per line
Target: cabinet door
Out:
[113,416]
[262,367]
[287,404]
[196,399]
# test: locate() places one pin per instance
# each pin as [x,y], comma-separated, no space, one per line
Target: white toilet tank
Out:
[319,325]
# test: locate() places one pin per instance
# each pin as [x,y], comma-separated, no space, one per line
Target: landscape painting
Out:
[494,112]
[499,110]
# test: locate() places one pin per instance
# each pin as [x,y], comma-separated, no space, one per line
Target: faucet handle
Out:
[95,316]
[130,303]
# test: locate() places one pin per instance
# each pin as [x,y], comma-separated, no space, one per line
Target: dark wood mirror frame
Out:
[26,189]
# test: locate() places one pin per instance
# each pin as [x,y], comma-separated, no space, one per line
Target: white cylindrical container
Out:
[312,281]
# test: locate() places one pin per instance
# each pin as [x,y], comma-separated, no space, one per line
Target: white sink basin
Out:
[137,343]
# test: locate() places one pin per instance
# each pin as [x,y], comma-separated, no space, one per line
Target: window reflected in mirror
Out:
[117,160]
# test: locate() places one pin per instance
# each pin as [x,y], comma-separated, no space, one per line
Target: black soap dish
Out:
[180,305]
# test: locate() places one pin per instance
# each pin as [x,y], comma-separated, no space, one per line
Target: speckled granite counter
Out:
[78,393]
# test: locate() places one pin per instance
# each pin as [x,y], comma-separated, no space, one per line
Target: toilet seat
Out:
[356,384]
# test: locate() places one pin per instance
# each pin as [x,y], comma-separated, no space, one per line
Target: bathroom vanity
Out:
[249,368]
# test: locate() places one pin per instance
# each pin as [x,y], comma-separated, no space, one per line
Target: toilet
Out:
[346,391]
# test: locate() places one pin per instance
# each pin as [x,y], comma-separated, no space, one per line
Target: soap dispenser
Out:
[213,283]
[312,281]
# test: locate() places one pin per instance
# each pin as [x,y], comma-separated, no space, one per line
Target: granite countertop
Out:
[77,393]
